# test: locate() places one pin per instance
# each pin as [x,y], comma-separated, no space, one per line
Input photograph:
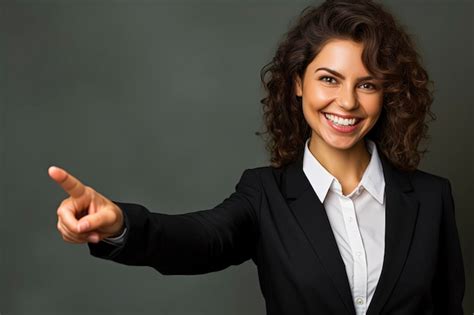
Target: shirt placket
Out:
[358,255]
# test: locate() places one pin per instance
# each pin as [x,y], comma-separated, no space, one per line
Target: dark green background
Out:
[149,101]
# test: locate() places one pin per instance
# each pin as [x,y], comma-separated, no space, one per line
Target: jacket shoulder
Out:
[424,175]
[423,180]
[265,173]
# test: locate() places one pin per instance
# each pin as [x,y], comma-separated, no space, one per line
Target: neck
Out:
[346,165]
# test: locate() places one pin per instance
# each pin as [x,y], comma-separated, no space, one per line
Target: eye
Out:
[327,79]
[368,86]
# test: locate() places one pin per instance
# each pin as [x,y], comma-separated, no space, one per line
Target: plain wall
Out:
[130,96]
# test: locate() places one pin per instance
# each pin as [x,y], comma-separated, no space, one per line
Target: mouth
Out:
[342,121]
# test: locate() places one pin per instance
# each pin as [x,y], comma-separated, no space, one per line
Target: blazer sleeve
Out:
[449,283]
[190,243]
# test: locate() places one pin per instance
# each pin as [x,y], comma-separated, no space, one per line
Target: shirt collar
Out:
[321,180]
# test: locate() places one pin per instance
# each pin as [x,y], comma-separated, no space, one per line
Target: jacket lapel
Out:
[401,213]
[311,215]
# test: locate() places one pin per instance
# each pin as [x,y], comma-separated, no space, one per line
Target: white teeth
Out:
[340,121]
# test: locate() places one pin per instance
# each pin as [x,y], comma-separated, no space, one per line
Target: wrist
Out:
[118,233]
[120,223]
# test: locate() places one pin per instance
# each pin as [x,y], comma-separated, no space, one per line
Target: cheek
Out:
[311,115]
[373,105]
[318,97]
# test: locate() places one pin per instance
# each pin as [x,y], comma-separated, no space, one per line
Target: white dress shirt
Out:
[357,221]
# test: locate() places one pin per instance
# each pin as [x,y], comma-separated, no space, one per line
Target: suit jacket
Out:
[275,218]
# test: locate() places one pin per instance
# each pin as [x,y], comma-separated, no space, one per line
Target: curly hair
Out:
[388,54]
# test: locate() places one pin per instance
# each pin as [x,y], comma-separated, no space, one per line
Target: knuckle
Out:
[64,202]
[63,230]
[63,207]
[65,226]
[90,191]
[70,239]
[93,195]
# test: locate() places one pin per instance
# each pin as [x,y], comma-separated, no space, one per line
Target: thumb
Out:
[94,221]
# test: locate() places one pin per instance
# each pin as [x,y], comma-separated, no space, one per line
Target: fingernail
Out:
[83,226]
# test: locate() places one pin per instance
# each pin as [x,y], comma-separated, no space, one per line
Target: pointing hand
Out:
[86,215]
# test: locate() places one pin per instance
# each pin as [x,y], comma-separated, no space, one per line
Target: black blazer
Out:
[276,219]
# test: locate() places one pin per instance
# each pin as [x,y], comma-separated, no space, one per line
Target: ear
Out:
[298,86]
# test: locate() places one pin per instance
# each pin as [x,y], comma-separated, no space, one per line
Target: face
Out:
[341,100]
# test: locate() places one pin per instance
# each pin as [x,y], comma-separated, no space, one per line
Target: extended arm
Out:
[191,243]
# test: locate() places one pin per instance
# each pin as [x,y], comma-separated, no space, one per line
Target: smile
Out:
[342,121]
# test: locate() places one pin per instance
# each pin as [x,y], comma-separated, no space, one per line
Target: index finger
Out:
[69,183]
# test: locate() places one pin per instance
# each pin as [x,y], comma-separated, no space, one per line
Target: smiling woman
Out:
[342,221]
[342,99]
[341,106]
[385,60]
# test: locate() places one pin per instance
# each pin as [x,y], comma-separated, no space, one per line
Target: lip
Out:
[343,129]
[342,116]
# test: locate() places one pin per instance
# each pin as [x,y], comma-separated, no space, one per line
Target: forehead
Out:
[344,56]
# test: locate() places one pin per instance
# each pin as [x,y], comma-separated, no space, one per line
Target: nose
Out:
[347,98]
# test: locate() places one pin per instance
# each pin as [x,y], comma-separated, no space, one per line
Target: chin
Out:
[341,142]
[344,146]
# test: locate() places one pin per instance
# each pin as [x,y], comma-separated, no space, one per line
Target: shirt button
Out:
[350,219]
[358,254]
[359,301]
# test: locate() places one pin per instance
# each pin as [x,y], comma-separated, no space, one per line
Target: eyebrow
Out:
[337,74]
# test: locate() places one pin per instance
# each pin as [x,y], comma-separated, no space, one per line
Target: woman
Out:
[342,222]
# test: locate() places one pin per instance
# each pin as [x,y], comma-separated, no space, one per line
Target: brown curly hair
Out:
[389,54]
